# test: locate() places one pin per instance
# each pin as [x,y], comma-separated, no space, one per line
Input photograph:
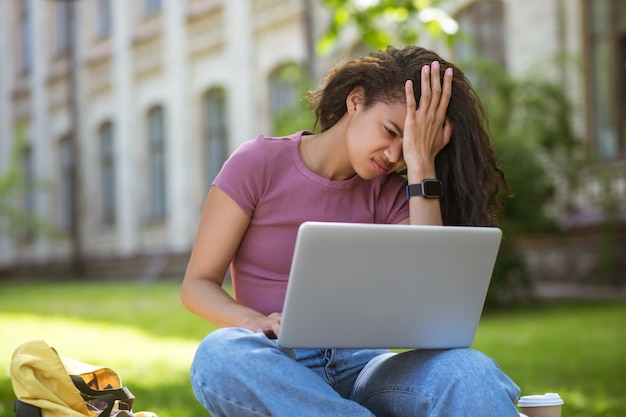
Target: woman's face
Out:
[374,138]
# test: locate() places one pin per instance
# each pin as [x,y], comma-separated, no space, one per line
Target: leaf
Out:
[326,43]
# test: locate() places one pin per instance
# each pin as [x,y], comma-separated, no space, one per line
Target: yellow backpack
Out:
[47,384]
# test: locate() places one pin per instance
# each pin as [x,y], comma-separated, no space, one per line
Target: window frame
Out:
[487,16]
[215,133]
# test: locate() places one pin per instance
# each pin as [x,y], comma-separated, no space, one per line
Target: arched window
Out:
[483,22]
[107,174]
[156,165]
[214,133]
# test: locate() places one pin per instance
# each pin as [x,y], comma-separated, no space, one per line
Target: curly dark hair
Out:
[467,166]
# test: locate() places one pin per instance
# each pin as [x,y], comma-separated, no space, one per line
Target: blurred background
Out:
[115,116]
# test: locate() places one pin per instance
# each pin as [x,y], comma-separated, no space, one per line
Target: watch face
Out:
[432,188]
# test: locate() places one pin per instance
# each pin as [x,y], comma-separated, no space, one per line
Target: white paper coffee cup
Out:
[546,405]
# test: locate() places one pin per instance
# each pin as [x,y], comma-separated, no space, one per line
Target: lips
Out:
[380,166]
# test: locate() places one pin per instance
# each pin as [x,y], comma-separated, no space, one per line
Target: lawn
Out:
[142,331]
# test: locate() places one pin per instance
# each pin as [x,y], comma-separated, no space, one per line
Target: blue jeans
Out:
[237,373]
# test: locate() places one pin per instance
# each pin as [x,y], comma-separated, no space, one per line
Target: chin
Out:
[369,175]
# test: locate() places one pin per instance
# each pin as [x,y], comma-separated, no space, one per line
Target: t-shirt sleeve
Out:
[241,176]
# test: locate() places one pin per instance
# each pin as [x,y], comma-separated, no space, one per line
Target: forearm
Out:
[210,301]
[423,211]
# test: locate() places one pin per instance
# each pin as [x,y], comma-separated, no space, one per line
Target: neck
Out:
[326,154]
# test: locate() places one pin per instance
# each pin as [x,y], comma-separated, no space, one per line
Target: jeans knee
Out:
[215,355]
[470,360]
[457,368]
[436,382]
[472,368]
[228,351]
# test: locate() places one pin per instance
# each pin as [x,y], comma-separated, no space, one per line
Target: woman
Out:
[371,127]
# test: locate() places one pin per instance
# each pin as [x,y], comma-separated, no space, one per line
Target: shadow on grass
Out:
[144,333]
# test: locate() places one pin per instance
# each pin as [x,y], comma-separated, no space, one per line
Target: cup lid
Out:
[547,399]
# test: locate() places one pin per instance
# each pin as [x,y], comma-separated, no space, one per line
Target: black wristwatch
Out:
[428,188]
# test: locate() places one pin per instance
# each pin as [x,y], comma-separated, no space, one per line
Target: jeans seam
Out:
[400,390]
[238,404]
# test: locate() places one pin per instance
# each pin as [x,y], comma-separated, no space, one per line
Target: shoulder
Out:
[259,149]
[262,142]
[264,150]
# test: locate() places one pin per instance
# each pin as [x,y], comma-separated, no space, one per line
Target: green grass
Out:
[143,332]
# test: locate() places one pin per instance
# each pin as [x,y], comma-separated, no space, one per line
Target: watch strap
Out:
[428,188]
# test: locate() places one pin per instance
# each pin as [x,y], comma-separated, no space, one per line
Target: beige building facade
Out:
[129,107]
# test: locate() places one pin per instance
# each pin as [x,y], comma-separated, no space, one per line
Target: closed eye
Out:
[391,132]
[394,131]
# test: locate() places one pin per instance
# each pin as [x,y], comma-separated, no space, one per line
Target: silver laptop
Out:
[387,286]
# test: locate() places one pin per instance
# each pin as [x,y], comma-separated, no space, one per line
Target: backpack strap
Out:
[109,396]
[23,409]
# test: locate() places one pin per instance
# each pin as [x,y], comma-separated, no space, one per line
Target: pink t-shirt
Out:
[268,180]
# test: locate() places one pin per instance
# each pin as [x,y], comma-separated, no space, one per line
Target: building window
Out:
[66,184]
[283,88]
[156,165]
[483,23]
[63,27]
[285,82]
[606,69]
[151,7]
[214,133]
[26,58]
[28,176]
[104,18]
[107,169]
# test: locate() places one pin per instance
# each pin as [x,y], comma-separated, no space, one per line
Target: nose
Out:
[393,152]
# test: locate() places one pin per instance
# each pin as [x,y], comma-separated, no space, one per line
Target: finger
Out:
[275,330]
[446,93]
[411,105]
[271,334]
[276,316]
[435,85]
[425,89]
[274,325]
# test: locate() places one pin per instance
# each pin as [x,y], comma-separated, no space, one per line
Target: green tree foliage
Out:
[529,120]
[16,219]
[386,22]
[300,115]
